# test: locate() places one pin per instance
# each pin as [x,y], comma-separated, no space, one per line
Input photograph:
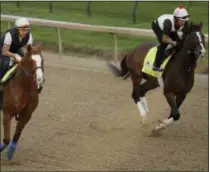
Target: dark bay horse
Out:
[20,95]
[178,76]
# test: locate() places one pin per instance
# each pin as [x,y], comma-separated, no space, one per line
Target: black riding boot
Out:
[159,57]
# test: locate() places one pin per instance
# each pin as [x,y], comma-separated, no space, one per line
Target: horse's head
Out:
[33,63]
[191,27]
[194,40]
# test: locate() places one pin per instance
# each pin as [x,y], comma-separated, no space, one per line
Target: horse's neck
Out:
[24,80]
[185,60]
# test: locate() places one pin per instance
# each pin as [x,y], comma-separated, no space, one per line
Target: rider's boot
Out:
[159,55]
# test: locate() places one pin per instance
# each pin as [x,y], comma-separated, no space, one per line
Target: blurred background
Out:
[135,14]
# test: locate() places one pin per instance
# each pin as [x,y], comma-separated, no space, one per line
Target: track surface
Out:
[86,120]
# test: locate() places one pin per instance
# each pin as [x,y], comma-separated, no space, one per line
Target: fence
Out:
[88,10]
[78,26]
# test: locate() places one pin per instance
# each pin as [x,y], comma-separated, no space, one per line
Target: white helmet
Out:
[181,13]
[22,22]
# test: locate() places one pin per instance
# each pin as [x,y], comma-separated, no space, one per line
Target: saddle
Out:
[5,66]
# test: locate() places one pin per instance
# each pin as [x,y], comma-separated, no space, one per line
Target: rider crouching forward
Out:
[12,42]
[165,28]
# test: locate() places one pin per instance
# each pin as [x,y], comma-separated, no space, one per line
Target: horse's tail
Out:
[123,71]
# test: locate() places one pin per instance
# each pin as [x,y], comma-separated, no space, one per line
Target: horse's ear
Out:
[29,48]
[40,45]
[191,24]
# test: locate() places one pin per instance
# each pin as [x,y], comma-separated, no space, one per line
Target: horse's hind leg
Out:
[150,84]
[7,126]
[23,120]
[136,80]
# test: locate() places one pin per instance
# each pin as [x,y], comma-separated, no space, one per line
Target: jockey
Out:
[165,28]
[12,42]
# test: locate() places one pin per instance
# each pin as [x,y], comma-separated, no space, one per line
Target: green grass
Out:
[103,13]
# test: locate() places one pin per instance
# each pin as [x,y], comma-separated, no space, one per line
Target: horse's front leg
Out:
[175,115]
[7,126]
[22,121]
[179,100]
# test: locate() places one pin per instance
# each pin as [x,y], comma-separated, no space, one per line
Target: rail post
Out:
[60,47]
[50,6]
[134,11]
[115,51]
[8,25]
[89,8]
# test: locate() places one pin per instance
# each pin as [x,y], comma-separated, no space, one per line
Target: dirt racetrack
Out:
[86,120]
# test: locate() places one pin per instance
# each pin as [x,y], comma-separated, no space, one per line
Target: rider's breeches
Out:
[158,32]
[161,48]
[160,54]
[4,65]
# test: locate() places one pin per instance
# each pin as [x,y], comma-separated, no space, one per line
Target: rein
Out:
[31,74]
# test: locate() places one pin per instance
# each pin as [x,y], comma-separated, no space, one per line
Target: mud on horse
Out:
[20,95]
[177,78]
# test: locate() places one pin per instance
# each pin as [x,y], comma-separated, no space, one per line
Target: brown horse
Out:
[20,95]
[178,76]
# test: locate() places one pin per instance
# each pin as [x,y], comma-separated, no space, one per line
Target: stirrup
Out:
[157,68]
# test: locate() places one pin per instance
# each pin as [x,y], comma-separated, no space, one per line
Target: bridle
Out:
[193,51]
[30,74]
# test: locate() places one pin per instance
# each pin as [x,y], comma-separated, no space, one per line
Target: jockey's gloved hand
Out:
[174,43]
[18,57]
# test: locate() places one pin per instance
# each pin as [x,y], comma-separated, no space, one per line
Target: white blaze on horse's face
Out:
[39,73]
[202,51]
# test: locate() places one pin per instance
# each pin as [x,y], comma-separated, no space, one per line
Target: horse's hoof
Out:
[144,120]
[160,126]
[11,150]
[157,129]
[155,133]
[2,147]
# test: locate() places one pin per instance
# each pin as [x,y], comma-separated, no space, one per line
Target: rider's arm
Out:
[167,26]
[176,37]
[6,46]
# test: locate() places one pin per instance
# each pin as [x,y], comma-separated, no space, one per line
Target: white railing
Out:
[78,26]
